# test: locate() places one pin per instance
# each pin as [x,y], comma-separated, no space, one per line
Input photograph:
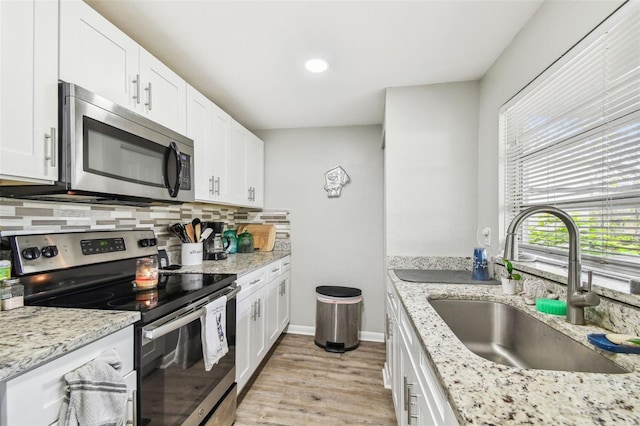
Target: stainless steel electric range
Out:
[96,270]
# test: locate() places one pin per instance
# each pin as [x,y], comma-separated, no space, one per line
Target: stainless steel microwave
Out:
[109,153]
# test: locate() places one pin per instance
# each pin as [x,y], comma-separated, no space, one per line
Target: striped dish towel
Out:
[97,393]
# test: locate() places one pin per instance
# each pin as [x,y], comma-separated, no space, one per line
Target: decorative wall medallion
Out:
[334,180]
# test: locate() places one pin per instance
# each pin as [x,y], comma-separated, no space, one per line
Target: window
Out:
[571,139]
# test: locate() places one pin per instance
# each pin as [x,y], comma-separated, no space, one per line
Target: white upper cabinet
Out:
[238,190]
[28,90]
[221,154]
[164,93]
[96,55]
[200,129]
[246,168]
[210,129]
[255,170]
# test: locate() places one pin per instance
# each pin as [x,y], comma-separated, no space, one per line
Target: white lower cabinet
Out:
[418,397]
[261,314]
[35,397]
[284,301]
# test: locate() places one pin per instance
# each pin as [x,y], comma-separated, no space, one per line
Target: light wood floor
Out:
[302,384]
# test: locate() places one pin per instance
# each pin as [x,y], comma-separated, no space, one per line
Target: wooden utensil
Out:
[196,228]
[190,232]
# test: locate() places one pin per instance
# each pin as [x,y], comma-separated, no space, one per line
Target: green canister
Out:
[233,241]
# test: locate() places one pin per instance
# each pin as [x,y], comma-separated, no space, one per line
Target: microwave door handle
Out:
[173,187]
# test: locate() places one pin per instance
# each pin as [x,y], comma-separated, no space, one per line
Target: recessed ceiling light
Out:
[316,65]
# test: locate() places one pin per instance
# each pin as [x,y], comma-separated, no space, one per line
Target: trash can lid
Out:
[336,291]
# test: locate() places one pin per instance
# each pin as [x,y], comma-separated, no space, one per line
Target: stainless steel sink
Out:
[506,335]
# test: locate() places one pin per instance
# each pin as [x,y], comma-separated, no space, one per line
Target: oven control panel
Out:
[48,252]
[102,245]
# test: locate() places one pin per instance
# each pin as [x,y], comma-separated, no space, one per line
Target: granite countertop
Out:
[32,335]
[482,392]
[240,263]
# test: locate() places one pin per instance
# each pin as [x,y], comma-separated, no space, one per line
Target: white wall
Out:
[431,135]
[556,26]
[334,241]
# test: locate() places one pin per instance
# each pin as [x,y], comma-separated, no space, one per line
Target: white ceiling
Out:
[247,56]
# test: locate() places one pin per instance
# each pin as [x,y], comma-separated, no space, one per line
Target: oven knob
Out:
[31,253]
[148,242]
[50,251]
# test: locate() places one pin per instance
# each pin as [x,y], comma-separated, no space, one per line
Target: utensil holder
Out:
[191,254]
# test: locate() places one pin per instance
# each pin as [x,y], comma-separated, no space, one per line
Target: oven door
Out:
[175,388]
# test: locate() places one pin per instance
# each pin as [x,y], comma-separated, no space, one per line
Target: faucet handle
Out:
[587,286]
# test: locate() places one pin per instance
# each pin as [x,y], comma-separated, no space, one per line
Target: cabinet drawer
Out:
[274,270]
[252,282]
[286,263]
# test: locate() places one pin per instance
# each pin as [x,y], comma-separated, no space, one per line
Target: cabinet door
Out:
[200,129]
[255,170]
[272,311]
[28,90]
[221,154]
[244,326]
[96,55]
[164,93]
[284,301]
[238,188]
[259,339]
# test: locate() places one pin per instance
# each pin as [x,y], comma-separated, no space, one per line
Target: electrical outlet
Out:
[486,234]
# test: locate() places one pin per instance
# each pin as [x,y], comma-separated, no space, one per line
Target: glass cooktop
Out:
[173,291]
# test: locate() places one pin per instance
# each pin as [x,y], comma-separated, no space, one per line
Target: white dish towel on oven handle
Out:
[214,339]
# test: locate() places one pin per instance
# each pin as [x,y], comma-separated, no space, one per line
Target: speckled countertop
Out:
[240,263]
[33,335]
[485,393]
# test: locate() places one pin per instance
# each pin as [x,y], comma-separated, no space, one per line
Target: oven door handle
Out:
[167,328]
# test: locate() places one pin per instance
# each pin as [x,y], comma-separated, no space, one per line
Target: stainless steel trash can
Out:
[338,318]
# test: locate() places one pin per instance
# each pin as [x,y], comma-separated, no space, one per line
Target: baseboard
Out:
[366,336]
[370,336]
[301,329]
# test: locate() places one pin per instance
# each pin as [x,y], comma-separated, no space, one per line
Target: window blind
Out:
[572,140]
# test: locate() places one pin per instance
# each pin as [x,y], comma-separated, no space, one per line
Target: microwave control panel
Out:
[185,173]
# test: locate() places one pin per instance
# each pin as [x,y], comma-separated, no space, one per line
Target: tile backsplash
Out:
[33,217]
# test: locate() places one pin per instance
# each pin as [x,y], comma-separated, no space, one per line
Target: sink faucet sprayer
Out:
[577,296]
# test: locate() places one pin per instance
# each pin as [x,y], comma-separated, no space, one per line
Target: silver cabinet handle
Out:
[51,158]
[148,89]
[275,269]
[136,81]
[217,186]
[405,385]
[256,281]
[259,308]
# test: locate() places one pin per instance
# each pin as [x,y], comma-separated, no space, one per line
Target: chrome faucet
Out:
[577,296]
